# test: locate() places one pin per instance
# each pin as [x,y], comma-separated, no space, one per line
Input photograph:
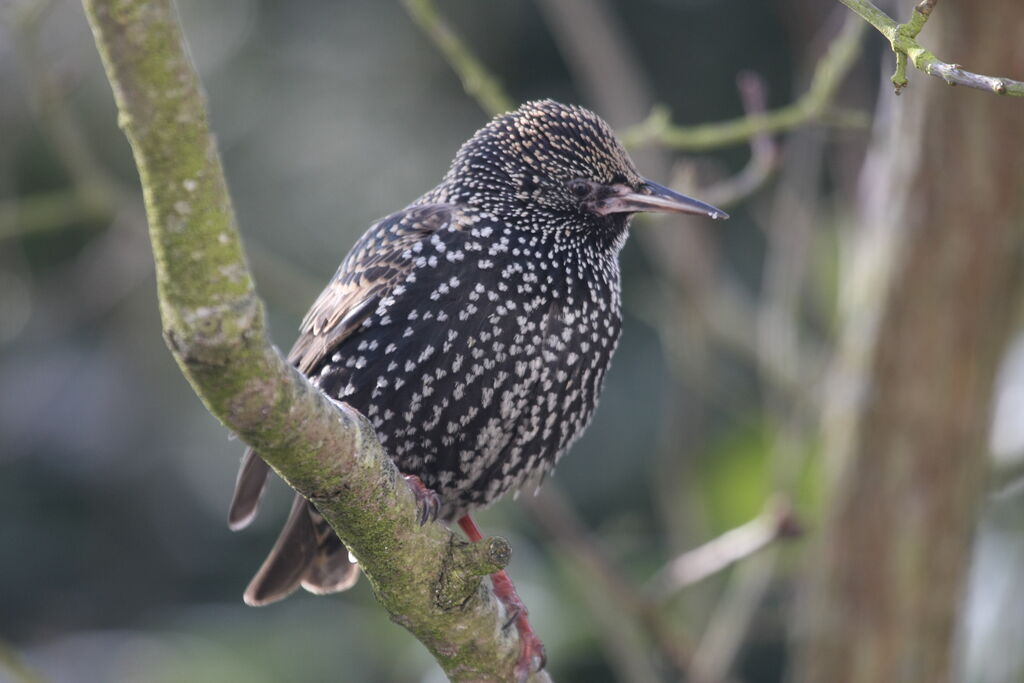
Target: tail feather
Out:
[252,480]
[332,570]
[288,560]
[308,554]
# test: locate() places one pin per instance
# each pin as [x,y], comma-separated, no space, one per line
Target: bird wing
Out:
[377,263]
[307,552]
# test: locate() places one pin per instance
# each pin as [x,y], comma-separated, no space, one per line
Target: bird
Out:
[473,329]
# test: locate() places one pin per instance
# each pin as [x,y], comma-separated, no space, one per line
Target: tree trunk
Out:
[932,288]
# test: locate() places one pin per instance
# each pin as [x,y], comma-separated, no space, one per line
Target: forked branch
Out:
[903,39]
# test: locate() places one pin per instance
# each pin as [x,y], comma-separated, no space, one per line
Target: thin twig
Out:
[903,39]
[478,81]
[776,522]
[813,106]
[764,152]
[727,627]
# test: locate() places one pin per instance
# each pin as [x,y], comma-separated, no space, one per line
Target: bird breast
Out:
[485,363]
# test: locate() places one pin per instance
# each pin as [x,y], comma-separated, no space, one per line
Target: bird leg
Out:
[428,503]
[531,655]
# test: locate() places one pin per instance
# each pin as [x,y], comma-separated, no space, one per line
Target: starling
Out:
[473,328]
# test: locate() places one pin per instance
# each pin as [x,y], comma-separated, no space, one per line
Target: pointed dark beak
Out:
[653,197]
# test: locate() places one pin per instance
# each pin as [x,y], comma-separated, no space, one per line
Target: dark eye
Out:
[579,187]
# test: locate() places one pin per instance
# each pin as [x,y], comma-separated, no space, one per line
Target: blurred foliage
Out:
[736,476]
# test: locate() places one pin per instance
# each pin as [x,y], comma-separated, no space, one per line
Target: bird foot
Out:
[532,656]
[531,651]
[428,503]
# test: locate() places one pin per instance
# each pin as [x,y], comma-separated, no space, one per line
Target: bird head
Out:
[556,167]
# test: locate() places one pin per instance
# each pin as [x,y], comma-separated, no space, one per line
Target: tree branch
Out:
[776,522]
[478,82]
[903,39]
[814,105]
[214,325]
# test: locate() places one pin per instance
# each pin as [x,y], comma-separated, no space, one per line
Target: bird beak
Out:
[653,197]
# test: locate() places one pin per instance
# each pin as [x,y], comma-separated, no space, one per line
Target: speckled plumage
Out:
[474,328]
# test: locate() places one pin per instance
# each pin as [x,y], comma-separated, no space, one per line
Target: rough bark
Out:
[929,299]
[214,325]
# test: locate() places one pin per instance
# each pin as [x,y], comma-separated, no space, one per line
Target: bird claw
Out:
[532,656]
[428,503]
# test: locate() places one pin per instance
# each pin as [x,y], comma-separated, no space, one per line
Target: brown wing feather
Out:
[379,261]
[307,552]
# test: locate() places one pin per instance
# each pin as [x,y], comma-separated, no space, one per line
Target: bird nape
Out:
[473,329]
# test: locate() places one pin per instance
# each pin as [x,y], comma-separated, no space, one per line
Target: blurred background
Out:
[115,560]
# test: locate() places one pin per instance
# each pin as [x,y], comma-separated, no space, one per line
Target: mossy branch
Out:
[903,39]
[215,326]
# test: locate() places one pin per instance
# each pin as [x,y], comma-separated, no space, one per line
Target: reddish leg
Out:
[428,503]
[531,654]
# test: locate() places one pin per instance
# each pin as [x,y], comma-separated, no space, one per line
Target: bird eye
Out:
[579,187]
